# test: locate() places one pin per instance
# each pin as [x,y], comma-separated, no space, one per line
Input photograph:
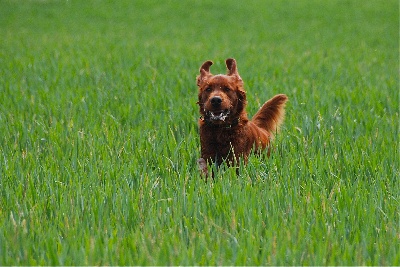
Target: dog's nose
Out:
[216,101]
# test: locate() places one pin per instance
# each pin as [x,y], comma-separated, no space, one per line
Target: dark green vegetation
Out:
[99,142]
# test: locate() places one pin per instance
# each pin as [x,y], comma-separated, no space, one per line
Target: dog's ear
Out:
[205,68]
[232,68]
[204,71]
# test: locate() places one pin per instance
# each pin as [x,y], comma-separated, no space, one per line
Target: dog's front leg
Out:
[203,167]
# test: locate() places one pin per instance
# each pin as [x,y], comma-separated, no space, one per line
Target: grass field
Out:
[99,138]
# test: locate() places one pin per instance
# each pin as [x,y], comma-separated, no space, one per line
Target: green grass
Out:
[99,139]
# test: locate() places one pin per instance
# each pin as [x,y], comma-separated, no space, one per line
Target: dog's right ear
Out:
[232,68]
[204,71]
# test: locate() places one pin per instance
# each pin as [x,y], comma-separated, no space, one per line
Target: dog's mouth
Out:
[220,115]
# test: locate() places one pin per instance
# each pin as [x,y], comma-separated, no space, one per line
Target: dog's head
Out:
[222,98]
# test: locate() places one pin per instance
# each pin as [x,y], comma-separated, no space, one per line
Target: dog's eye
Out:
[208,89]
[227,89]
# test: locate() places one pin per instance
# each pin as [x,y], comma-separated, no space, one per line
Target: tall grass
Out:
[99,140]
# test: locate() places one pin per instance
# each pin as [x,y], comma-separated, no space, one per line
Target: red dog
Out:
[226,134]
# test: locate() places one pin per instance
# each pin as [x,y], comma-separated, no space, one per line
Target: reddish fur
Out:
[237,136]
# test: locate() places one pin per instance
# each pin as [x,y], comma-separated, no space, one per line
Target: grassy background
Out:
[99,141]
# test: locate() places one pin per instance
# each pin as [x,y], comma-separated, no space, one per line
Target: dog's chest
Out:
[223,139]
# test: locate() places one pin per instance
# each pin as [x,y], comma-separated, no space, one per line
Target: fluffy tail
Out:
[271,114]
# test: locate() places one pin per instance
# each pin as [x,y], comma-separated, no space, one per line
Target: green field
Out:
[99,137]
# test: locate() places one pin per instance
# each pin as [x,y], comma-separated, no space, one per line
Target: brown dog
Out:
[226,134]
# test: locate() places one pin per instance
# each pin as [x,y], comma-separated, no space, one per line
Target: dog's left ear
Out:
[204,72]
[232,69]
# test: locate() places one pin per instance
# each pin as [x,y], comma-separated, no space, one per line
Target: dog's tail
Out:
[271,114]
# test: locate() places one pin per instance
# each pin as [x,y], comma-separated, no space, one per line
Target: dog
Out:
[226,133]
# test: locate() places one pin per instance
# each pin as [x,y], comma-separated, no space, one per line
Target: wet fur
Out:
[226,133]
